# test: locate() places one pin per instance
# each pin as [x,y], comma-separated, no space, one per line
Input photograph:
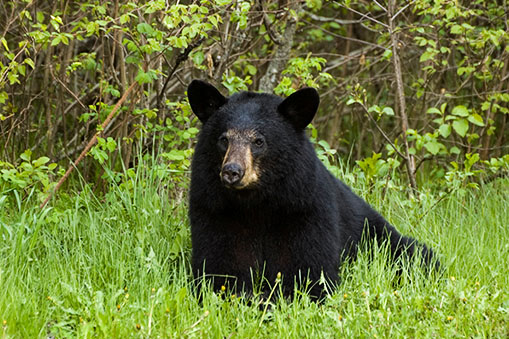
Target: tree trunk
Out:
[281,52]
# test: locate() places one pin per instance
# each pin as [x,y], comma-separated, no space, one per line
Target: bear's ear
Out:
[204,99]
[300,107]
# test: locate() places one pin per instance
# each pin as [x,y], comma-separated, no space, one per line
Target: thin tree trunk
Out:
[400,94]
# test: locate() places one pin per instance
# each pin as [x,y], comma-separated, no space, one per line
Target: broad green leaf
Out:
[433,146]
[445,130]
[476,119]
[91,28]
[26,155]
[144,28]
[460,111]
[175,155]
[460,126]
[56,40]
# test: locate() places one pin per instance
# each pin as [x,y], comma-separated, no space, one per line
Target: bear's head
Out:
[250,139]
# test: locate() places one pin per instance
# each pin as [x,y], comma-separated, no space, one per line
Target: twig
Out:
[90,143]
[66,88]
[363,15]
[401,10]
[204,315]
[338,21]
[274,35]
[383,133]
[181,58]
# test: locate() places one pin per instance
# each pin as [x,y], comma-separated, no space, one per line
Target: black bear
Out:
[261,202]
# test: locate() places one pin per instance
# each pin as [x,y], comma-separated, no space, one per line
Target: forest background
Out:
[417,88]
[414,105]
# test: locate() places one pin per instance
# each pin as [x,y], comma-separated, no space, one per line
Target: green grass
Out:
[118,267]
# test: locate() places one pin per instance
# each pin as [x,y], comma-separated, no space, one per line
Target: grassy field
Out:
[117,266]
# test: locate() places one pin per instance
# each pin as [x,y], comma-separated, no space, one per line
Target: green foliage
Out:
[100,151]
[300,72]
[28,176]
[234,83]
[457,123]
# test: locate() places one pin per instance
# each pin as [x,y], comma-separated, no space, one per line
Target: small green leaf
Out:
[454,150]
[111,145]
[251,69]
[388,111]
[198,58]
[41,161]
[56,40]
[124,18]
[175,155]
[4,43]
[456,29]
[29,62]
[374,108]
[3,97]
[433,110]
[145,78]
[351,101]
[485,105]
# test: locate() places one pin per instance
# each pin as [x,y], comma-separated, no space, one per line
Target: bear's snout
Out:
[232,174]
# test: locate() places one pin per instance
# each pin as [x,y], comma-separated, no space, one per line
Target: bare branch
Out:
[364,15]
[382,132]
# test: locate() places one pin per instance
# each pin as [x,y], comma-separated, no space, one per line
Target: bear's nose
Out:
[232,174]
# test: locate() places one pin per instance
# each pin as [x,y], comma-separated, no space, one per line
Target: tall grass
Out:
[117,266]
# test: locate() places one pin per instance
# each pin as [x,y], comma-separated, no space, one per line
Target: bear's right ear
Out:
[204,99]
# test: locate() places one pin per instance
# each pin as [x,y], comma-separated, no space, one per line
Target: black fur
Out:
[298,219]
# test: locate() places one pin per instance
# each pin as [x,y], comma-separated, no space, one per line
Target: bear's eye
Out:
[223,140]
[259,142]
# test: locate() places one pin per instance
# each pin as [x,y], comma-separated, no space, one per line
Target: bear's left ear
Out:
[204,99]
[300,107]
